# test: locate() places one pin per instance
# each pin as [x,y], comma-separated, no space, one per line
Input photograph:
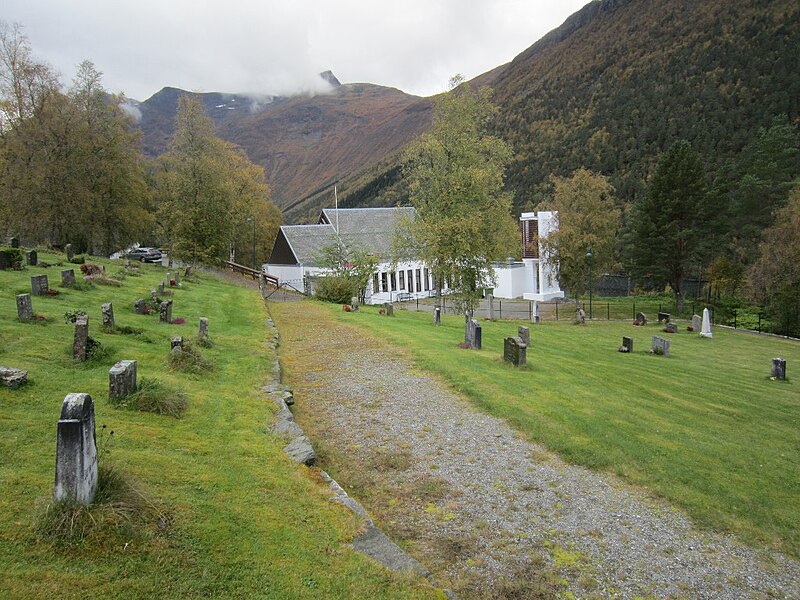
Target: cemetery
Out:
[190,452]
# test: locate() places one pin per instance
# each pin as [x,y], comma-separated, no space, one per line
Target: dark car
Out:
[144,255]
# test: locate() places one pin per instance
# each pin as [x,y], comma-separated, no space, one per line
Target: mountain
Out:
[305,143]
[610,89]
[621,80]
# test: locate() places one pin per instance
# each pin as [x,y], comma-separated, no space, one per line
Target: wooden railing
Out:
[254,273]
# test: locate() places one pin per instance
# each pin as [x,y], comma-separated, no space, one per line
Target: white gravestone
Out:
[706,331]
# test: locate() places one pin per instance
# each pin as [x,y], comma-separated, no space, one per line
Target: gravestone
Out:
[659,346]
[671,327]
[524,333]
[778,369]
[122,379]
[580,316]
[13,378]
[437,315]
[5,261]
[187,271]
[706,327]
[76,451]
[663,316]
[167,280]
[14,242]
[473,334]
[514,351]
[389,307]
[107,311]
[160,289]
[31,258]
[535,314]
[140,307]
[153,295]
[627,344]
[24,307]
[354,302]
[490,298]
[177,277]
[176,342]
[68,251]
[80,345]
[202,333]
[165,311]
[39,285]
[697,322]
[641,318]
[68,278]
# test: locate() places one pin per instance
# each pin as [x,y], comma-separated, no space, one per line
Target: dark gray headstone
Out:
[203,330]
[14,242]
[5,261]
[68,251]
[24,307]
[76,451]
[32,258]
[660,346]
[778,369]
[140,307]
[437,315]
[389,308]
[671,328]
[39,285]
[524,333]
[122,379]
[641,318]
[68,278]
[80,345]
[664,316]
[160,289]
[107,310]
[165,311]
[477,336]
[13,378]
[187,271]
[627,344]
[514,351]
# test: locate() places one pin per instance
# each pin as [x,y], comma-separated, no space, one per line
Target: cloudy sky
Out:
[278,47]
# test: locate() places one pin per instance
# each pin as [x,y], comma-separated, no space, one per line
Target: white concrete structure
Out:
[535,278]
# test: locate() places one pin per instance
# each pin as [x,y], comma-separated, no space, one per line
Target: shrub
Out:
[78,260]
[189,360]
[153,396]
[14,255]
[90,269]
[338,290]
[72,315]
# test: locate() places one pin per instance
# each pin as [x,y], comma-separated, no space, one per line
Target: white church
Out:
[294,257]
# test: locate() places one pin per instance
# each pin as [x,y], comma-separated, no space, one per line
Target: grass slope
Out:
[237,518]
[706,428]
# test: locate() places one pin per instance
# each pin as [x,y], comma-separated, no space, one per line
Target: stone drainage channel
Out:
[372,542]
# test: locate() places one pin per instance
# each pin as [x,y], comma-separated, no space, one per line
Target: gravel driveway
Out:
[492,515]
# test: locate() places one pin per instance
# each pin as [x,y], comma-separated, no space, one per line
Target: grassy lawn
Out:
[231,515]
[705,428]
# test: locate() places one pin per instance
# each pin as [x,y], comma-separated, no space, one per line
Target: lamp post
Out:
[253,219]
[589,258]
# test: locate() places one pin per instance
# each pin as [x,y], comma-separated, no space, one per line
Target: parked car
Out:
[144,255]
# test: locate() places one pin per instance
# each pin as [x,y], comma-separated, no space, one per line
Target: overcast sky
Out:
[272,47]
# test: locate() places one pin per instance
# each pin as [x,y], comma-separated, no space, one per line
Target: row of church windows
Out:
[402,281]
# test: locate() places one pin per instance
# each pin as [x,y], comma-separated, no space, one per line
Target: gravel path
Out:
[506,507]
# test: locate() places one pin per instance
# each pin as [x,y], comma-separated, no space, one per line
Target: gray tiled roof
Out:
[369,228]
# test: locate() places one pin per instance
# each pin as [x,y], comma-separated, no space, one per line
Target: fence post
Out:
[634,310]
[417,304]
[501,310]
[734,318]
[608,311]
[530,310]
[759,321]
[556,311]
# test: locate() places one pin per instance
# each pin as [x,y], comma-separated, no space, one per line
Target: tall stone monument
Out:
[76,451]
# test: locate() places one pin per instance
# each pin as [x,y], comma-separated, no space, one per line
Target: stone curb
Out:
[372,542]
